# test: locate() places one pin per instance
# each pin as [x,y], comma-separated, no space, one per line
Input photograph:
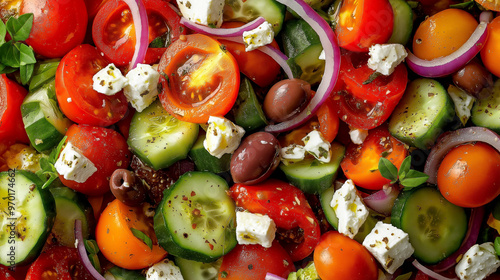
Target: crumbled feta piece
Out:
[205,12]
[142,89]
[293,153]
[109,80]
[463,103]
[478,262]
[258,37]
[72,165]
[350,210]
[358,136]
[384,58]
[389,245]
[255,229]
[317,146]
[223,136]
[322,55]
[164,270]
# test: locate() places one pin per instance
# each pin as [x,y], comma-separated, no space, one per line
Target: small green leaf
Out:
[9,55]
[20,28]
[52,178]
[405,276]
[27,55]
[404,168]
[91,246]
[497,245]
[26,71]
[414,178]
[54,154]
[142,236]
[387,169]
[3,32]
[45,164]
[6,69]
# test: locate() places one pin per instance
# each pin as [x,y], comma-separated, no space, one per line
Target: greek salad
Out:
[250,139]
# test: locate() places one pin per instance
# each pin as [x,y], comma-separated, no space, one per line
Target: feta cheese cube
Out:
[358,136]
[109,80]
[478,262]
[384,58]
[72,165]
[350,210]
[205,12]
[223,136]
[322,55]
[317,146]
[255,229]
[142,89]
[164,270]
[258,37]
[389,245]
[293,153]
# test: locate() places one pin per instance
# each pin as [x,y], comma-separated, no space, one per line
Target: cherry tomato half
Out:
[200,78]
[11,120]
[491,49]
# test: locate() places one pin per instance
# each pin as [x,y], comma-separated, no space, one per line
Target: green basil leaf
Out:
[10,55]
[52,178]
[91,246]
[405,276]
[404,168]
[387,169]
[142,236]
[54,154]
[4,69]
[3,32]
[26,71]
[20,28]
[414,178]
[27,55]
[45,164]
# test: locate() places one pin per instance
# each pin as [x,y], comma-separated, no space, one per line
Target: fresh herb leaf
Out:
[405,276]
[20,28]
[25,72]
[6,69]
[388,169]
[48,172]
[10,55]
[413,179]
[91,246]
[3,32]
[27,55]
[405,167]
[407,177]
[142,236]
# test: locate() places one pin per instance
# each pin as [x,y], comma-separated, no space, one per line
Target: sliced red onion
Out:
[80,245]
[475,220]
[429,272]
[383,200]
[222,32]
[452,139]
[270,276]
[332,64]
[141,26]
[449,64]
[486,16]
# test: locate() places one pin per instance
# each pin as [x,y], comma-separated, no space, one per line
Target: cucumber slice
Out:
[247,110]
[158,138]
[118,273]
[193,270]
[422,114]
[436,226]
[42,118]
[403,22]
[27,214]
[486,112]
[246,11]
[204,161]
[196,218]
[43,72]
[314,176]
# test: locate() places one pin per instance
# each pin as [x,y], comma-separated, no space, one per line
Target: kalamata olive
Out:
[286,99]
[127,188]
[256,158]
[474,79]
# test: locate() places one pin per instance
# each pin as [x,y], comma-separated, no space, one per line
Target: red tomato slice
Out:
[114,33]
[6,273]
[200,78]
[11,120]
[363,23]
[76,97]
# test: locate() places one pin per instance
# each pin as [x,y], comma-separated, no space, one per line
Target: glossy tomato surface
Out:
[11,120]
[490,51]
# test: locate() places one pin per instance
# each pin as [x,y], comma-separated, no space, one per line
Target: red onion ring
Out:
[270,276]
[83,253]
[222,32]
[332,64]
[382,201]
[429,272]
[449,64]
[140,18]
[452,139]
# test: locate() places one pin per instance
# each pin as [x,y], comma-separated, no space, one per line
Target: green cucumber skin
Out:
[325,197]
[204,161]
[246,11]
[403,22]
[247,110]
[486,112]
[193,270]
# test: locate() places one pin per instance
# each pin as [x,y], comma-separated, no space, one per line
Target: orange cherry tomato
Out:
[117,242]
[200,78]
[491,49]
[490,4]
[469,175]
[339,257]
[360,163]
[443,33]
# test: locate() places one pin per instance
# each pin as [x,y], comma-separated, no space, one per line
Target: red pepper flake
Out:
[193,193]
[184,197]
[193,226]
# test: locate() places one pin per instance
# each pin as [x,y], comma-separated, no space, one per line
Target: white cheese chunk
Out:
[292,154]
[223,136]
[142,89]
[258,37]
[463,103]
[317,146]
[255,229]
[164,270]
[384,58]
[72,165]
[478,262]
[389,245]
[350,210]
[322,55]
[358,136]
[109,80]
[204,12]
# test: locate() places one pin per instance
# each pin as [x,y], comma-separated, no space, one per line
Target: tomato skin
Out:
[364,23]
[469,175]
[208,83]
[58,26]
[338,257]
[6,273]
[491,49]
[360,163]
[11,121]
[75,94]
[119,245]
[278,200]
[106,148]
[248,262]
